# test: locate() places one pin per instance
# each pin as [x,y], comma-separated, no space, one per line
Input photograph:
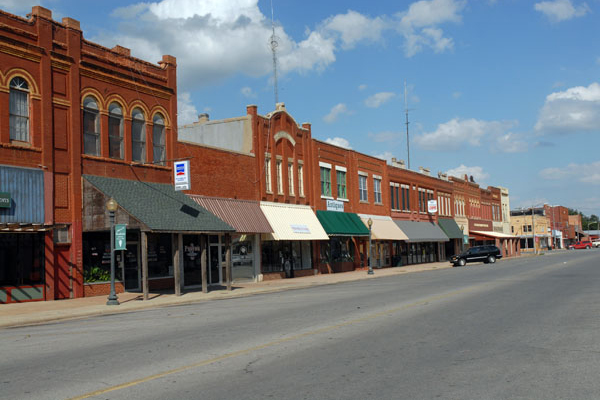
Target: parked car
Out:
[487,254]
[585,244]
[596,243]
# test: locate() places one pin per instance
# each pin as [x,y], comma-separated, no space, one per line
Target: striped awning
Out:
[383,227]
[245,216]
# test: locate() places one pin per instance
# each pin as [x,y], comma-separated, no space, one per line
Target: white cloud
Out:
[247,92]
[457,95]
[186,111]
[575,110]
[510,143]
[561,10]
[336,111]
[419,25]
[340,142]
[378,99]
[354,27]
[458,132]
[387,156]
[584,173]
[363,86]
[476,172]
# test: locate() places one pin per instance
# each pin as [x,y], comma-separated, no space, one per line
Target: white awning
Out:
[495,234]
[383,228]
[292,222]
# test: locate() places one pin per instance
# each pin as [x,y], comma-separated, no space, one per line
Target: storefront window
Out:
[277,255]
[242,257]
[96,258]
[160,260]
[21,259]
[342,249]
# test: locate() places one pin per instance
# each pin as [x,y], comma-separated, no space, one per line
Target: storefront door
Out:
[131,266]
[215,263]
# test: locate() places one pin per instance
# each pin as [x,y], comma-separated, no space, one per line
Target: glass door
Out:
[131,266]
[215,264]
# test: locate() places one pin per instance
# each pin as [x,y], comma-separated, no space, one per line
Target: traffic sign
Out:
[120,236]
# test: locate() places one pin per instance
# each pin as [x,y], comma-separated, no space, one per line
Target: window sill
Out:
[268,192]
[343,199]
[378,204]
[363,202]
[21,146]
[327,197]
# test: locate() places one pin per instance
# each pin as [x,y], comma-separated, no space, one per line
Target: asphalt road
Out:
[519,329]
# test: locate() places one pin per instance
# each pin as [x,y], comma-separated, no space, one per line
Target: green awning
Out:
[342,224]
[450,228]
[159,206]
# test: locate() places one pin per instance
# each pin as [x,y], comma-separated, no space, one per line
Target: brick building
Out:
[75,117]
[559,224]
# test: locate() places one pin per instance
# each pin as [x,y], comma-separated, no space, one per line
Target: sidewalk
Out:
[20,314]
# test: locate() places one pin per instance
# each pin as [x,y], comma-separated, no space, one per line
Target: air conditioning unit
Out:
[61,235]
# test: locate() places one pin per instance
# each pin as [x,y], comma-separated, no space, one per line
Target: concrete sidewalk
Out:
[20,314]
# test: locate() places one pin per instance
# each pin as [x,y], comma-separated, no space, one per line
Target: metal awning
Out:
[158,206]
[450,228]
[342,223]
[292,222]
[383,227]
[243,215]
[420,231]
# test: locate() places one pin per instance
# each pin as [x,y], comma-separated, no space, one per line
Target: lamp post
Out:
[111,206]
[370,223]
[462,239]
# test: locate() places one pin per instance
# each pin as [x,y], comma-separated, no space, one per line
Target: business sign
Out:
[120,237]
[298,228]
[181,169]
[466,239]
[432,206]
[4,200]
[335,205]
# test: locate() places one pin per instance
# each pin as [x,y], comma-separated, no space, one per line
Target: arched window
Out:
[138,136]
[158,139]
[91,127]
[115,131]
[19,109]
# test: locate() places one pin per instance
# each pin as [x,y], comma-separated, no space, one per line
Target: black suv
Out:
[487,254]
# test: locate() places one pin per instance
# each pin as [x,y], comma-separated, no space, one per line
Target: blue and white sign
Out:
[335,205]
[182,175]
[300,228]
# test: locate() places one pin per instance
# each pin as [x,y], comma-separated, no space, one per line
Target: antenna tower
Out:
[407,141]
[274,43]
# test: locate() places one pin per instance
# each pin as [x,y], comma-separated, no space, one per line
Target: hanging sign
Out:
[432,206]
[120,237]
[181,169]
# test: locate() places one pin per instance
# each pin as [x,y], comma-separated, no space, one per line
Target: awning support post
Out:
[145,265]
[177,250]
[228,260]
[203,240]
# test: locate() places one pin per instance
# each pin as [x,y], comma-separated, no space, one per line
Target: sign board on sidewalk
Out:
[120,237]
[432,206]
[181,169]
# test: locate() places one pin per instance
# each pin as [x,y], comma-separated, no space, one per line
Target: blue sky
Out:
[505,90]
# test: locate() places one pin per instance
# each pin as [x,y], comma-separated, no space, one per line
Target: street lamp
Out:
[370,223]
[462,239]
[111,206]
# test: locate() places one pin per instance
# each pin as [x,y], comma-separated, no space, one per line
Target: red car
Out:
[581,245]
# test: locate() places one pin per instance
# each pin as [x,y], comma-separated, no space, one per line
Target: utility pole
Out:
[533,227]
[407,140]
[274,44]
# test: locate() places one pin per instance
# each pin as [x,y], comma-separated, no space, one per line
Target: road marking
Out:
[273,343]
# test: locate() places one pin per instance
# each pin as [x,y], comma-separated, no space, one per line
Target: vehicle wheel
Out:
[587,247]
[461,262]
[491,259]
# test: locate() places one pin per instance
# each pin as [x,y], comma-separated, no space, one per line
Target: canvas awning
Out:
[383,227]
[292,222]
[450,228]
[497,234]
[243,215]
[342,223]
[158,206]
[419,231]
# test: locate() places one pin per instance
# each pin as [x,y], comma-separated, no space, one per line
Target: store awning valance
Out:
[158,206]
[422,231]
[342,223]
[497,234]
[292,222]
[383,227]
[244,215]
[450,228]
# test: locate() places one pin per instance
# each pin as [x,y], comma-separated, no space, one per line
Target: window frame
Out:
[268,176]
[290,173]
[377,194]
[162,132]
[363,187]
[112,138]
[340,182]
[94,113]
[141,143]
[19,92]
[325,179]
